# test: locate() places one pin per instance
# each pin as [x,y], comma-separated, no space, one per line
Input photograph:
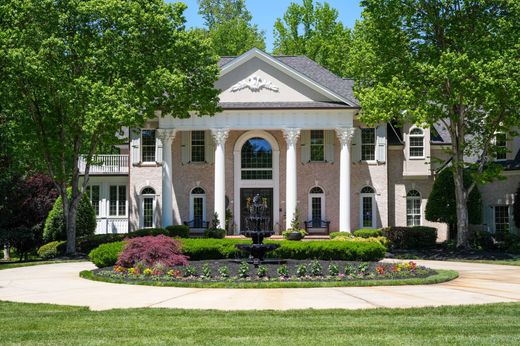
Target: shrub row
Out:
[87,244]
[368,233]
[417,237]
[205,249]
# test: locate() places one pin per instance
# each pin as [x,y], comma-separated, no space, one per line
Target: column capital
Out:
[345,134]
[291,135]
[166,134]
[220,135]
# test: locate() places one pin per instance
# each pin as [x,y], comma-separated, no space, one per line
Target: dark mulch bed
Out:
[421,272]
[445,254]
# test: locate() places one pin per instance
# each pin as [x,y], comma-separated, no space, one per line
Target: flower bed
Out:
[224,273]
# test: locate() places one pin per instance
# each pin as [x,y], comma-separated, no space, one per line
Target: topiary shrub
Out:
[181,231]
[52,249]
[417,237]
[151,250]
[106,255]
[55,222]
[335,235]
[368,233]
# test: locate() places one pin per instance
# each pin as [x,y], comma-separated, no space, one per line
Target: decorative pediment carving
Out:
[254,83]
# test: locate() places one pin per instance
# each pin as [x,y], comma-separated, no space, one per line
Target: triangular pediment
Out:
[259,77]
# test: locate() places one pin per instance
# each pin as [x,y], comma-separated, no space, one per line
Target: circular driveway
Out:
[61,284]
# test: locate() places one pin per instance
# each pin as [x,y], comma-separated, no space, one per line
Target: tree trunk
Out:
[7,252]
[462,208]
[70,223]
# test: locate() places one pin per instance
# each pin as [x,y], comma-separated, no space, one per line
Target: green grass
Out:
[441,276]
[31,324]
[9,265]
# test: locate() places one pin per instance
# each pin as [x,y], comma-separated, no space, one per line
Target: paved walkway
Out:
[60,284]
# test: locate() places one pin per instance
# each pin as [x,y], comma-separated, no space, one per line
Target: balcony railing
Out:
[106,164]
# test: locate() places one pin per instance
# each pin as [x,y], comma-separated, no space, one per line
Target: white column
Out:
[220,136]
[167,136]
[291,177]
[345,136]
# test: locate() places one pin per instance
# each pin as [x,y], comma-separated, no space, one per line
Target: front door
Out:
[246,193]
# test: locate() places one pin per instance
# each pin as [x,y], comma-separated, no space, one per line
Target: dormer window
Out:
[501,144]
[416,143]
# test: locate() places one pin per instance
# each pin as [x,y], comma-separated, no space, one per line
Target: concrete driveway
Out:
[61,284]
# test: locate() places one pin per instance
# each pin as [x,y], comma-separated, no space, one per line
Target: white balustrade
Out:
[105,164]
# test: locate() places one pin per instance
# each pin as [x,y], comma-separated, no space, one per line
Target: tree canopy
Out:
[74,72]
[314,30]
[448,62]
[229,27]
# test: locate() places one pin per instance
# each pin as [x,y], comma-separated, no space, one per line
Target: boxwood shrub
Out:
[417,237]
[86,244]
[106,255]
[206,249]
[147,231]
[181,231]
[52,249]
[368,233]
[335,235]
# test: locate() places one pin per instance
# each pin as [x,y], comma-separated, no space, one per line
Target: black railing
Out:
[317,224]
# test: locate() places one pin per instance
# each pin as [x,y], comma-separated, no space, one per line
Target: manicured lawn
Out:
[495,324]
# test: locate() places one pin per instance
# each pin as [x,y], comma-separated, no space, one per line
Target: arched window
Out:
[416,143]
[367,207]
[316,206]
[198,207]
[256,160]
[148,207]
[413,208]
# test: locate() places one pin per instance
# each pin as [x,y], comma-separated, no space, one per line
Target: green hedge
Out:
[207,249]
[368,233]
[52,249]
[86,244]
[346,250]
[181,231]
[106,254]
[216,233]
[335,235]
[417,237]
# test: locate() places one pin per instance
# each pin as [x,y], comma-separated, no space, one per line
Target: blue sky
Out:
[265,13]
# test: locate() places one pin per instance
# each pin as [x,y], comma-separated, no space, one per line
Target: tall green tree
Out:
[229,26]
[314,30]
[74,72]
[448,61]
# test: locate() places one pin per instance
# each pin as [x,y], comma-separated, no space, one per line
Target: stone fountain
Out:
[257,228]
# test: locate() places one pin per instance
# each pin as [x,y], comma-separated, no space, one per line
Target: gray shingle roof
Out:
[315,72]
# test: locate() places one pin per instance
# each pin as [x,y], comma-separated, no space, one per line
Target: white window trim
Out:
[374,209]
[88,191]
[192,205]
[509,214]
[374,161]
[190,149]
[141,209]
[422,135]
[311,145]
[117,216]
[309,201]
[495,142]
[420,208]
[147,163]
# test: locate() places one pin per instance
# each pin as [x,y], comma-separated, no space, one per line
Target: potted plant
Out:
[295,232]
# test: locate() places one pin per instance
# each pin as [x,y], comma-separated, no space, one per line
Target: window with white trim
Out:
[198,207]
[416,143]
[317,146]
[148,207]
[501,144]
[413,208]
[367,208]
[256,160]
[316,206]
[368,144]
[92,192]
[148,145]
[198,146]
[502,219]
[117,200]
